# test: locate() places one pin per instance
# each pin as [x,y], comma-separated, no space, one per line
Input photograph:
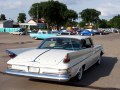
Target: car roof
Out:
[72,36]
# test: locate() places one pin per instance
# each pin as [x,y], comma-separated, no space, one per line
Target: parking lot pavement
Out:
[103,77]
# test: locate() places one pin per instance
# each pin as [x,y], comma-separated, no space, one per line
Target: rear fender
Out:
[17,51]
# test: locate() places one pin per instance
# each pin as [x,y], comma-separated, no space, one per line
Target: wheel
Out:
[79,74]
[35,38]
[99,60]
[20,34]
[91,34]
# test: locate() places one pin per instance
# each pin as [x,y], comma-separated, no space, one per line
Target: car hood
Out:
[41,56]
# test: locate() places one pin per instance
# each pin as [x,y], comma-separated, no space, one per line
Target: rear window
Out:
[60,43]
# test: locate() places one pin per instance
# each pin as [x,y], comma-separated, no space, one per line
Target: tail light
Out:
[66,59]
[11,55]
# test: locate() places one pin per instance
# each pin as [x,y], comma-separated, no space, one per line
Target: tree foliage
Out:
[82,24]
[115,22]
[21,18]
[90,15]
[36,10]
[104,24]
[71,15]
[2,17]
[54,12]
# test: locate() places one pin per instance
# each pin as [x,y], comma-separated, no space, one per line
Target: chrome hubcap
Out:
[80,74]
[99,59]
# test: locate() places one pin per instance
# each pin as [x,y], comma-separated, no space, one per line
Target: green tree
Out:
[115,22]
[36,10]
[54,12]
[71,16]
[90,15]
[104,24]
[82,24]
[2,17]
[21,18]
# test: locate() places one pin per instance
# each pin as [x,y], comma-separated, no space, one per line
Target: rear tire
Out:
[79,74]
[99,60]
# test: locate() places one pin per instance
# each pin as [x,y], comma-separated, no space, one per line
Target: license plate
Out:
[34,69]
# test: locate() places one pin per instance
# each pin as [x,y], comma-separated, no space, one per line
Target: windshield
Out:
[60,43]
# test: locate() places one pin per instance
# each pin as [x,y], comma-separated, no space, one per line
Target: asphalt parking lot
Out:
[103,77]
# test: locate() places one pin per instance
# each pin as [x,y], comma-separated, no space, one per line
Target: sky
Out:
[108,8]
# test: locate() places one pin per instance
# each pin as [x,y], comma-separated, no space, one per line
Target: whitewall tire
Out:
[99,60]
[79,74]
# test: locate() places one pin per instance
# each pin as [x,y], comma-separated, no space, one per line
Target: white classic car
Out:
[57,59]
[20,32]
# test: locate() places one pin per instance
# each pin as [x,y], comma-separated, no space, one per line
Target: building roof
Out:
[2,21]
[32,24]
[42,20]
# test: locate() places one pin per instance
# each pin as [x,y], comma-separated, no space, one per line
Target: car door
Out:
[87,45]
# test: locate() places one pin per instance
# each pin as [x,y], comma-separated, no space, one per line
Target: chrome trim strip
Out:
[41,54]
[81,60]
[97,50]
[59,78]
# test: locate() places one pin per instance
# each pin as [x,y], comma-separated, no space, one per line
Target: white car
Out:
[57,59]
[18,32]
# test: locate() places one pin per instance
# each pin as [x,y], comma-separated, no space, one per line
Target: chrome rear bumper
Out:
[59,78]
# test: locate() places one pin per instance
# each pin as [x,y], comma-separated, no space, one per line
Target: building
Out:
[33,24]
[6,24]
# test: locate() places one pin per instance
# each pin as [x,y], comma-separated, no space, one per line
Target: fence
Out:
[9,29]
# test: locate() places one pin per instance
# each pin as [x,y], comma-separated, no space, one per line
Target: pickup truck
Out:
[58,58]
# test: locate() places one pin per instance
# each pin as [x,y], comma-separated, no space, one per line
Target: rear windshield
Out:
[60,43]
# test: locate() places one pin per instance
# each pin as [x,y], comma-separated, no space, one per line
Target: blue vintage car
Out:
[86,33]
[42,35]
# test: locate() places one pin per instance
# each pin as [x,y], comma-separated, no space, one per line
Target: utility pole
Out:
[37,13]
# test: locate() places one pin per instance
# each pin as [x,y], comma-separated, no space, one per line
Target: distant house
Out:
[16,25]
[32,24]
[6,24]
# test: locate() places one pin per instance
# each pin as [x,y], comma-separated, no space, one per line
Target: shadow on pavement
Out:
[91,75]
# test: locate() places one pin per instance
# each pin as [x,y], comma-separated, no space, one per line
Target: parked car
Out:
[86,33]
[64,33]
[55,32]
[59,58]
[42,35]
[96,32]
[19,32]
[72,32]
[68,32]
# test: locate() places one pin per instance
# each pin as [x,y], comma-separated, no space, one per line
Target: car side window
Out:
[75,44]
[86,43]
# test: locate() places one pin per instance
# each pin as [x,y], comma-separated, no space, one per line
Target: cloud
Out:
[10,5]
[109,9]
[69,2]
